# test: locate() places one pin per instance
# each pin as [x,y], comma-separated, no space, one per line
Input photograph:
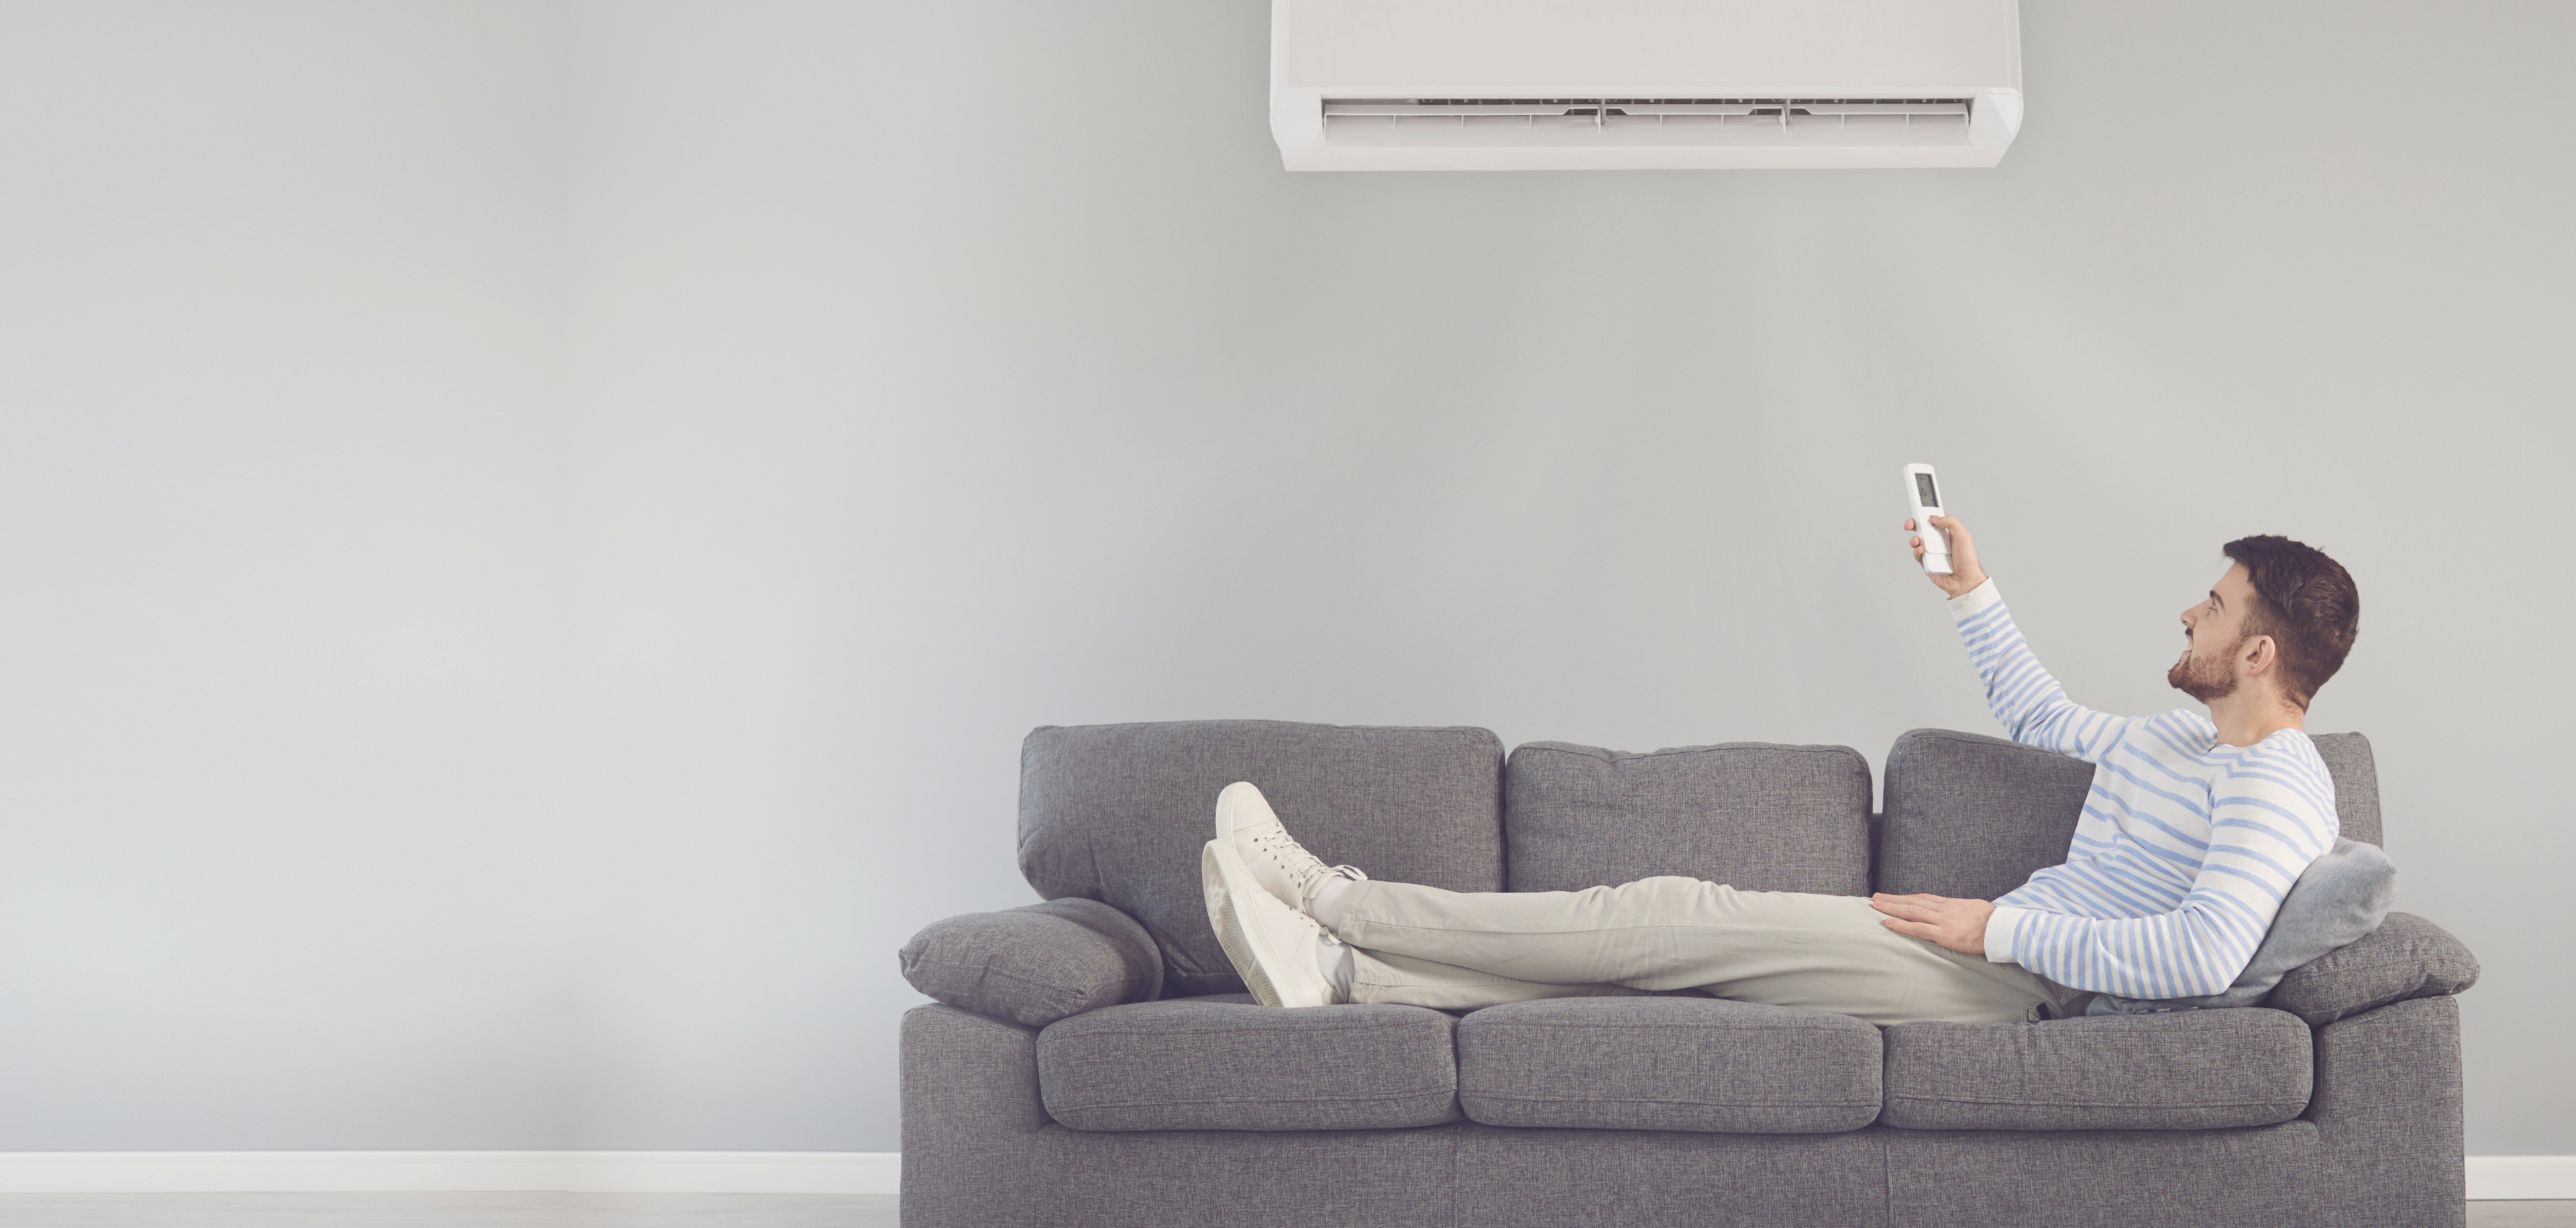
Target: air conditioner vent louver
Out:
[1649,122]
[1458,85]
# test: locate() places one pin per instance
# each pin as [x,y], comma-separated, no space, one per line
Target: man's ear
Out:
[2261,654]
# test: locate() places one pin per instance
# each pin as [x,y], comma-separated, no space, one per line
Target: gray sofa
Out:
[1092,1061]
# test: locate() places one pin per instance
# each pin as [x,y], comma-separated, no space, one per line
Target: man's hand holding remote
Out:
[1965,574]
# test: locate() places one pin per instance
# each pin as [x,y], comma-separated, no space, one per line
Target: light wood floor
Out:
[2500,1214]
[620,1211]
[447,1211]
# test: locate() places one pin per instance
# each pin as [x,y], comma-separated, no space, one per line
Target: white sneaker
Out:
[1283,867]
[1275,948]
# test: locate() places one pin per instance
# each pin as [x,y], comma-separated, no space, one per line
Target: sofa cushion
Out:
[2356,780]
[1037,964]
[1668,1063]
[1224,1063]
[1118,813]
[1752,815]
[1973,816]
[2406,957]
[2195,1070]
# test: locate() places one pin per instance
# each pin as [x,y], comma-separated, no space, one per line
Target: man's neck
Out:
[2244,719]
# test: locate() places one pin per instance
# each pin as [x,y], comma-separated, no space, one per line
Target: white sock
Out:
[1327,904]
[1333,959]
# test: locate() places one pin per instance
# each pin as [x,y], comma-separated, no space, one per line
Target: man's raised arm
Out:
[2033,708]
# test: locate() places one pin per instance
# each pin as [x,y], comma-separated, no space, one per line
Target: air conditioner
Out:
[1418,85]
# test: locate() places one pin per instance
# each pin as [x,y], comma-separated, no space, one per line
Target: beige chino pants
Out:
[1422,946]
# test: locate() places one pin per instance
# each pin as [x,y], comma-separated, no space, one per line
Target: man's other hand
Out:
[1964,574]
[1957,924]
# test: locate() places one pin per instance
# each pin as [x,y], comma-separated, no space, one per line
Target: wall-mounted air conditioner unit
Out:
[1390,85]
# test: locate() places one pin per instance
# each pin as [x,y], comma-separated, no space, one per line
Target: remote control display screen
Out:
[1923,486]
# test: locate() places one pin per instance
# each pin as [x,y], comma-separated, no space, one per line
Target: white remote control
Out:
[1924,494]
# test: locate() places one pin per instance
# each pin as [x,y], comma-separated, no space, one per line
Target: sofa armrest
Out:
[977,1151]
[2406,957]
[2387,1112]
[1037,964]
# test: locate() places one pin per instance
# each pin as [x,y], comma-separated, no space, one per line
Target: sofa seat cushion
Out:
[1668,1063]
[2192,1070]
[1226,1063]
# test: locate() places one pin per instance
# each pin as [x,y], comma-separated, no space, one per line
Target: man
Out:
[2193,832]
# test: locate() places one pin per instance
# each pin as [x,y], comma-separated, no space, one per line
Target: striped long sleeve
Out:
[2184,849]
[2033,708]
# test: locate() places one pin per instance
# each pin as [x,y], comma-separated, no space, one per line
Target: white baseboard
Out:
[601,1172]
[671,1172]
[2522,1176]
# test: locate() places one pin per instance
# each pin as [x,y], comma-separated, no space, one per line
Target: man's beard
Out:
[2206,679]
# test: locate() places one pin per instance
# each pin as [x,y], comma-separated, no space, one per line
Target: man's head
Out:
[2282,619]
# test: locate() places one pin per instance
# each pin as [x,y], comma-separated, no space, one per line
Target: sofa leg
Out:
[2387,1108]
[973,1143]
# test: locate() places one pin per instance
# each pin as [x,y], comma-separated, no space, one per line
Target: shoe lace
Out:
[1303,867]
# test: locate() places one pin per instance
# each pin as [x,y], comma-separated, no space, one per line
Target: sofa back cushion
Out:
[1974,816]
[1118,813]
[1755,816]
[2356,780]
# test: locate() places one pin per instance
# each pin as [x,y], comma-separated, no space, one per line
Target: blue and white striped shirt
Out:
[2185,848]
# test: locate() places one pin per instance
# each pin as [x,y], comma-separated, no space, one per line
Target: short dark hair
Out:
[2306,602]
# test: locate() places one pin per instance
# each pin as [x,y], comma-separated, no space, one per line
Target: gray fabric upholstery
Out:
[1037,964]
[2406,957]
[2387,1109]
[2201,1070]
[1118,813]
[2356,780]
[1655,1179]
[1667,1063]
[1222,1063]
[2341,896]
[1463,1175]
[1974,816]
[2378,1145]
[1231,1179]
[2256,1178]
[973,1148]
[1749,814]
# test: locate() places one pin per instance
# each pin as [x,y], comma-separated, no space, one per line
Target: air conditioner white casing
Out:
[1626,84]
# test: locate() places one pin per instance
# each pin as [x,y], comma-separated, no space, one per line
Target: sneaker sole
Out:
[1218,880]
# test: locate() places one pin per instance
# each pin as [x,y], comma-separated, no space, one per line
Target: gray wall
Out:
[282,557]
[530,564]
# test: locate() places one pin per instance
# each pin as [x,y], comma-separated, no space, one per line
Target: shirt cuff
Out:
[1975,601]
[2000,931]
